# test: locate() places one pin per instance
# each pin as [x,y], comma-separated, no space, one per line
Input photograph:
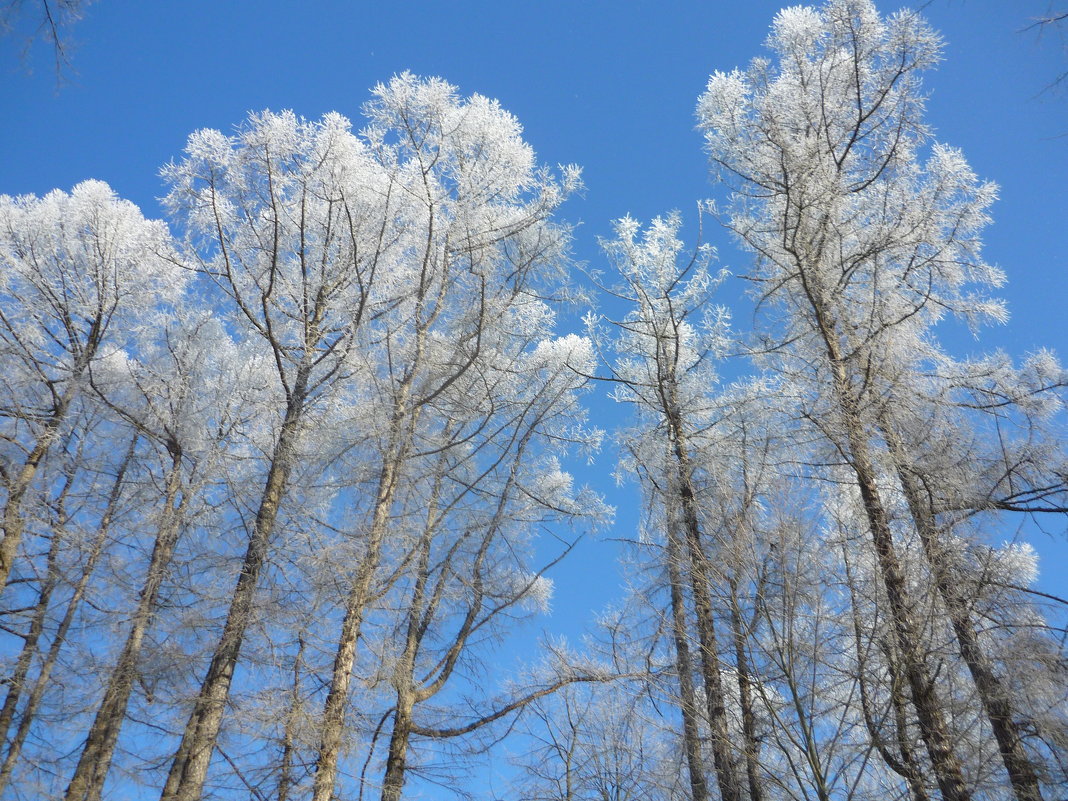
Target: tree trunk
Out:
[333,722]
[189,770]
[903,764]
[45,673]
[14,522]
[688,700]
[933,729]
[285,771]
[729,787]
[992,694]
[17,681]
[393,781]
[87,783]
[745,698]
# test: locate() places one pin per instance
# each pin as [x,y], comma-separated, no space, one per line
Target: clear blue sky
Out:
[610,86]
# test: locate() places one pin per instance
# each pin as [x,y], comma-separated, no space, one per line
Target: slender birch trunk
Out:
[396,760]
[420,613]
[933,728]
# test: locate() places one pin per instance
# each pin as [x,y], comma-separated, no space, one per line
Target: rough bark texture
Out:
[396,760]
[87,783]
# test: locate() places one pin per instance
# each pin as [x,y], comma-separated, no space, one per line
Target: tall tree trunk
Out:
[933,729]
[189,770]
[729,787]
[992,694]
[745,699]
[420,612]
[87,783]
[333,722]
[14,521]
[688,699]
[903,763]
[60,638]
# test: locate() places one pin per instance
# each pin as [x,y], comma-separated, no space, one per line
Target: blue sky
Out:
[609,86]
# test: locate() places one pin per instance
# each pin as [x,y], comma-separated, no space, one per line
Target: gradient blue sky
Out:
[610,86]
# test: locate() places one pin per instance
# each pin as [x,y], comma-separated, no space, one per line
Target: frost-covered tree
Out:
[188,391]
[665,350]
[866,235]
[374,270]
[81,272]
[474,248]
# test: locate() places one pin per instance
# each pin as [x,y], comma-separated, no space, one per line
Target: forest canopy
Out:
[282,472]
